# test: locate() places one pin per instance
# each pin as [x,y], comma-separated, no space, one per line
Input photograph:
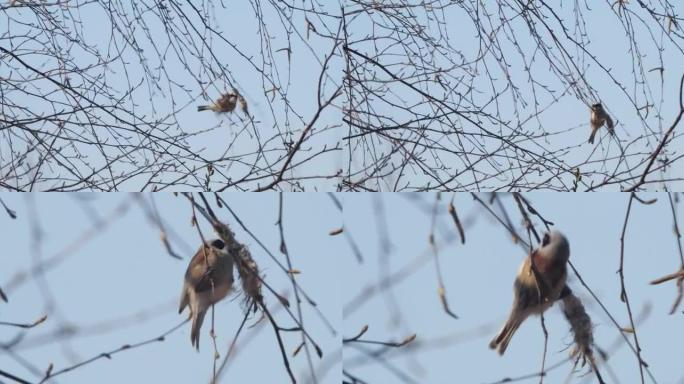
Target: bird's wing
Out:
[525,285]
[199,270]
[548,275]
[184,298]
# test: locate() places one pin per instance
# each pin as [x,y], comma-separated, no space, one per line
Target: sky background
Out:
[180,88]
[124,271]
[479,278]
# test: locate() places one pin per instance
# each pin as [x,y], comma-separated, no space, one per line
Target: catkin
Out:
[249,275]
[581,326]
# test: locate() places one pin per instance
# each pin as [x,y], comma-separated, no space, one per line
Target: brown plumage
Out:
[599,117]
[208,279]
[243,104]
[226,103]
[550,260]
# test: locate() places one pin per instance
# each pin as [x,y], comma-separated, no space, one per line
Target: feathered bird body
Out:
[208,280]
[599,117]
[226,103]
[549,260]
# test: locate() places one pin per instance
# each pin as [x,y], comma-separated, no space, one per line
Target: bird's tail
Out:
[201,108]
[591,137]
[197,319]
[500,341]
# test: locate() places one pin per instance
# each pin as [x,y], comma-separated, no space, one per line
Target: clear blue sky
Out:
[479,277]
[126,270]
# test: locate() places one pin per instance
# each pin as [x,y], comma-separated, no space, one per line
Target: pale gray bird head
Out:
[555,246]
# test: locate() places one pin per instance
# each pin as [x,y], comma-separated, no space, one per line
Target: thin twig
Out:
[623,290]
[26,325]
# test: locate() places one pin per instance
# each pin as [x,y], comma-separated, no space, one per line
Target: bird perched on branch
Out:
[208,280]
[534,295]
[225,103]
[599,116]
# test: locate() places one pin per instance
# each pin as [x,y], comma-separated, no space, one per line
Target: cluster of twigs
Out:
[102,96]
[432,109]
[364,95]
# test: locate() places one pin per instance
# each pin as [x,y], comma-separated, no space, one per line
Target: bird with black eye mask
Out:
[226,103]
[208,280]
[529,297]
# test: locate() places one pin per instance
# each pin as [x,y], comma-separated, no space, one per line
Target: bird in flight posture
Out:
[549,260]
[599,116]
[208,280]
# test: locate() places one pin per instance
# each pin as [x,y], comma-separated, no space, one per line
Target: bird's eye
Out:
[218,244]
[545,241]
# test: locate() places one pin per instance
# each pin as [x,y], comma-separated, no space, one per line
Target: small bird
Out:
[549,260]
[208,280]
[226,103]
[599,116]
